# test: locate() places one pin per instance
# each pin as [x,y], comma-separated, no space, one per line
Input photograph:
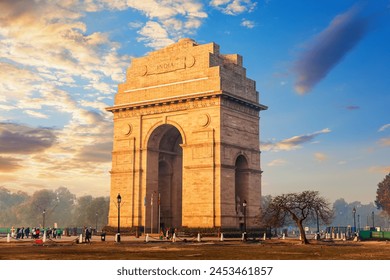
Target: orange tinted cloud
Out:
[292,143]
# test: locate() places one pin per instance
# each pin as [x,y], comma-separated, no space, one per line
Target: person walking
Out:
[88,234]
[27,232]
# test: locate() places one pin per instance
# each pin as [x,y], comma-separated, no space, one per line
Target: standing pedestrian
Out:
[88,233]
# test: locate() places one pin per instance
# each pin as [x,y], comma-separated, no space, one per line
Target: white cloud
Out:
[320,157]
[234,7]
[277,162]
[292,143]
[36,114]
[51,39]
[154,35]
[7,107]
[47,48]
[16,81]
[384,127]
[172,19]
[248,23]
[135,24]
[379,169]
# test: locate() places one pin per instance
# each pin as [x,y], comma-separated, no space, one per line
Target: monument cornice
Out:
[245,102]
[188,97]
[165,101]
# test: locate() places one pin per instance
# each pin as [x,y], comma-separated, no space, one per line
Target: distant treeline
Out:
[48,207]
[64,208]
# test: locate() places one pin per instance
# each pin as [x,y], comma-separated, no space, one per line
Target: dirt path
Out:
[205,250]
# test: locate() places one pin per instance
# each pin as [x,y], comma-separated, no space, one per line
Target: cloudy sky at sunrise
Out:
[322,68]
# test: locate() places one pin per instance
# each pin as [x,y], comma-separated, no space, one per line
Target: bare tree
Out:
[383,195]
[299,208]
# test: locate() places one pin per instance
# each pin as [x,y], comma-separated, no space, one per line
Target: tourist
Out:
[27,232]
[88,234]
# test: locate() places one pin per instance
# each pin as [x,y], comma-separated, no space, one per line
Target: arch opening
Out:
[164,178]
[241,183]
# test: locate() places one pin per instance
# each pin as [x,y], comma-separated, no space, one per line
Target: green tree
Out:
[298,208]
[383,195]
[38,209]
[63,210]
[90,210]
[9,203]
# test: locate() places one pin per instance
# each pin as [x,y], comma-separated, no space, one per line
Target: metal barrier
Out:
[374,235]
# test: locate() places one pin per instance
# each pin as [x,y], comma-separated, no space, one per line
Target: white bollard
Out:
[8,238]
[221,236]
[81,238]
[199,237]
[174,237]
[147,238]
[44,237]
[264,236]
[284,236]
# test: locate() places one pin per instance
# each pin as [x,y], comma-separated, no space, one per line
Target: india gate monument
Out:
[186,141]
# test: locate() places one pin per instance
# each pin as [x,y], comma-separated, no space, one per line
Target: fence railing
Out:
[379,235]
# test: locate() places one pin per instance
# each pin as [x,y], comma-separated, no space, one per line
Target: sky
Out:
[322,68]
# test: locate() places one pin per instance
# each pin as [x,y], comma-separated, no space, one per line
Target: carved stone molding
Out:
[167,107]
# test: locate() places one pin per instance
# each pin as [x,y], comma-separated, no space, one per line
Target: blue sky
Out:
[322,68]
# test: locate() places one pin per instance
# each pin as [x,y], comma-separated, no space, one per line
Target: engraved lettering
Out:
[168,66]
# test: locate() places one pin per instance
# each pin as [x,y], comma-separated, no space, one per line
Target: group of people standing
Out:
[21,233]
[35,232]
[168,233]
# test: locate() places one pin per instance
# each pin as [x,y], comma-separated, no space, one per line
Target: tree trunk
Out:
[302,233]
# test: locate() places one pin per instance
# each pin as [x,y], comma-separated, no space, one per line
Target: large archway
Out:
[186,141]
[164,178]
[241,183]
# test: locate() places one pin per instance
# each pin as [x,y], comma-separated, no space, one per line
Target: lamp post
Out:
[244,206]
[354,219]
[119,199]
[96,216]
[373,223]
[318,226]
[151,214]
[43,218]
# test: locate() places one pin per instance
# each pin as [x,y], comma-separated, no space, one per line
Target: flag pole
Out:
[151,214]
[159,211]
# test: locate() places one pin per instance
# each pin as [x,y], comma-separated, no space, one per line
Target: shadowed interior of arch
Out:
[165,154]
[241,185]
